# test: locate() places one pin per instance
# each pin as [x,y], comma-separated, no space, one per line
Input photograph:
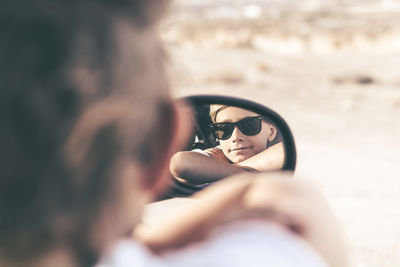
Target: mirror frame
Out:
[290,147]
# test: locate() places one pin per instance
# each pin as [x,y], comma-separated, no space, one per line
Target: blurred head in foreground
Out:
[78,77]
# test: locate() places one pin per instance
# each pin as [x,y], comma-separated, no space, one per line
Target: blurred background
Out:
[332,69]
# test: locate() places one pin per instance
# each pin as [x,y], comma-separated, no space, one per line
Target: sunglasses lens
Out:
[223,130]
[250,126]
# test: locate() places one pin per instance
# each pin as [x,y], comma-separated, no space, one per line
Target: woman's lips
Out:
[239,149]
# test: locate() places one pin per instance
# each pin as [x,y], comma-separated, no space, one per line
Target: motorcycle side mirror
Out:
[231,135]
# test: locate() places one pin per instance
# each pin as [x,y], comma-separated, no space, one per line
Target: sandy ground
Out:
[334,74]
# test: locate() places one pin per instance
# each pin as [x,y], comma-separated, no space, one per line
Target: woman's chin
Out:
[240,155]
[238,158]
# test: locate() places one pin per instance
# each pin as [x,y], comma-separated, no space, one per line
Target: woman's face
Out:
[240,146]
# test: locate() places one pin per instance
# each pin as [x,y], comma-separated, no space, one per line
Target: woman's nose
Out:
[237,135]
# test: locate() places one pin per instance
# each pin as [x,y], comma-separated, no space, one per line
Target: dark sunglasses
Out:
[248,126]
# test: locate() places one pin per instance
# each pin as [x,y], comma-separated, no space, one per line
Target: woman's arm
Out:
[197,168]
[271,197]
[271,159]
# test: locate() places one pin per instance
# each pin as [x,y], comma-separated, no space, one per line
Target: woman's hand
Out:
[216,153]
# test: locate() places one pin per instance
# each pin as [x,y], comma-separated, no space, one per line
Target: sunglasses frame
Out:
[238,125]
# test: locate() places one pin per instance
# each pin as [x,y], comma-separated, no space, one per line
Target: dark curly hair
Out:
[58,60]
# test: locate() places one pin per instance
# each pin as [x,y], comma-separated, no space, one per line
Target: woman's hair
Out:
[58,60]
[214,109]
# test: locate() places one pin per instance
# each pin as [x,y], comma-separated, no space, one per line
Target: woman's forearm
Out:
[197,168]
[270,159]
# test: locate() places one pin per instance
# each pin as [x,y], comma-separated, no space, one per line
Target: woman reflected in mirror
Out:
[246,142]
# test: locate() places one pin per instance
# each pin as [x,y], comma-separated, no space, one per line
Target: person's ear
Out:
[273,132]
[175,134]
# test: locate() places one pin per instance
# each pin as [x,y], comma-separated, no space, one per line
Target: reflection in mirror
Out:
[228,140]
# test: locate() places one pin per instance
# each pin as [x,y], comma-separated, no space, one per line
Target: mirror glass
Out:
[228,139]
